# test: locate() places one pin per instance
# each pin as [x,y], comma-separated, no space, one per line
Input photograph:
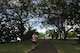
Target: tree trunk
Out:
[66,32]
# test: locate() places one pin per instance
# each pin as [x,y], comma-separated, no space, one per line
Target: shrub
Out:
[71,34]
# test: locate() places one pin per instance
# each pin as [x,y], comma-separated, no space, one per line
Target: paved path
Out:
[46,46]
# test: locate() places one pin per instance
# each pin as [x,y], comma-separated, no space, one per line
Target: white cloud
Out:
[41,30]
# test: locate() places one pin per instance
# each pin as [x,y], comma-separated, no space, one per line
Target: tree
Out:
[15,14]
[51,33]
[58,11]
[54,9]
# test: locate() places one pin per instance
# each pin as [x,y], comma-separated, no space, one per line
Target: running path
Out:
[47,46]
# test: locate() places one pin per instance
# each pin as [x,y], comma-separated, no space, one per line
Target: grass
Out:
[19,47]
[69,46]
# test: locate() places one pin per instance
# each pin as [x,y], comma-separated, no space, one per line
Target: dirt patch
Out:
[78,48]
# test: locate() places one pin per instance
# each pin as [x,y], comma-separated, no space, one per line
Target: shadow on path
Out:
[47,46]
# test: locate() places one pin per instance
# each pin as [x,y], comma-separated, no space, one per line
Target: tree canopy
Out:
[15,15]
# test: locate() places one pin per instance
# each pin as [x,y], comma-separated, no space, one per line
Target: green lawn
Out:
[19,47]
[69,46]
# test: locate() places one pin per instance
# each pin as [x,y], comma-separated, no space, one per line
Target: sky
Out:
[36,24]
